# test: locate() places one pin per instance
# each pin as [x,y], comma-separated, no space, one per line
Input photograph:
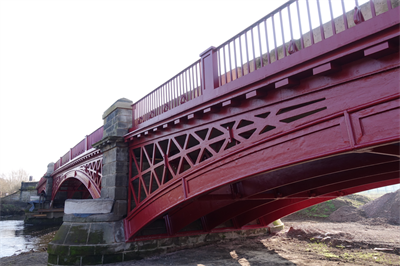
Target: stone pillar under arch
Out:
[92,231]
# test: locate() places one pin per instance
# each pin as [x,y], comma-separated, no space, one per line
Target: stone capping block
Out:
[122,103]
[89,206]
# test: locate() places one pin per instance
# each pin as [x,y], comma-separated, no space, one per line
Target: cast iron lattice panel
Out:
[42,188]
[90,173]
[155,164]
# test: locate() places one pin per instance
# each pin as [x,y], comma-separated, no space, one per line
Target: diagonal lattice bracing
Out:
[156,163]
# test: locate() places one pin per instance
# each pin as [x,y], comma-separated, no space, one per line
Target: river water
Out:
[16,238]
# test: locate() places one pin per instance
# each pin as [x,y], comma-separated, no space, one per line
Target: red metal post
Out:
[209,78]
[86,143]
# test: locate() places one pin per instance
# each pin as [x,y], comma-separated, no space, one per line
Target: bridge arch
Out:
[344,151]
[74,181]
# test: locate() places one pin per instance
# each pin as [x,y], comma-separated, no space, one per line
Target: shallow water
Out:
[16,238]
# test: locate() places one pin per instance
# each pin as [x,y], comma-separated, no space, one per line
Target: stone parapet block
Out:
[117,214]
[118,118]
[88,206]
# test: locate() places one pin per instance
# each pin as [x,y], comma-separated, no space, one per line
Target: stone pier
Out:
[92,231]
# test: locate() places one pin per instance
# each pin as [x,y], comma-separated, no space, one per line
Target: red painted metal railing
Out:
[295,25]
[78,149]
[83,146]
[180,89]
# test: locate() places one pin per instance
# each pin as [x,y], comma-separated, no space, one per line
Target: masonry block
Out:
[69,260]
[92,260]
[81,250]
[58,249]
[53,259]
[112,258]
[101,233]
[61,234]
[118,193]
[115,180]
[77,234]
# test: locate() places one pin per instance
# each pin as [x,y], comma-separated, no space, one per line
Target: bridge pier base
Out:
[64,250]
[93,230]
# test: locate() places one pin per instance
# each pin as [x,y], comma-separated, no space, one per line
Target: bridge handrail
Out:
[80,148]
[260,48]
[183,87]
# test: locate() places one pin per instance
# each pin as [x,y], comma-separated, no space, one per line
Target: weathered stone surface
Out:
[94,252]
[101,233]
[92,260]
[61,234]
[77,234]
[89,206]
[123,103]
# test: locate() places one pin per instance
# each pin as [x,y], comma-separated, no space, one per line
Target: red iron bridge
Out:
[299,108]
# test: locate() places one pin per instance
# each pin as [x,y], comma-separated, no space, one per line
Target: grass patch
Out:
[324,209]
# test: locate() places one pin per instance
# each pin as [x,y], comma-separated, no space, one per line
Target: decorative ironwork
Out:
[156,163]
[89,174]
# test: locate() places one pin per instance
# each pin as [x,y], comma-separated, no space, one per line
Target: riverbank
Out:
[349,231]
[301,243]
[12,208]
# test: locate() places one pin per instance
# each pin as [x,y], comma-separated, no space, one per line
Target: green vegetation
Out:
[10,209]
[324,209]
[353,255]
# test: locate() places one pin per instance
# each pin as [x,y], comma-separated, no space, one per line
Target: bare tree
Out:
[12,182]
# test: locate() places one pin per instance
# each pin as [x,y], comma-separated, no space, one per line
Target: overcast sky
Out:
[63,63]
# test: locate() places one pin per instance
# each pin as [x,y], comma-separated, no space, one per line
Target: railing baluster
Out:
[259,43]
[254,54]
[332,19]
[290,23]
[186,85]
[241,59]
[372,5]
[273,29]
[346,26]
[226,73]
[197,82]
[321,26]
[389,4]
[182,87]
[266,39]
[234,49]
[193,87]
[283,35]
[219,67]
[247,53]
[309,22]
[229,56]
[300,27]
[169,103]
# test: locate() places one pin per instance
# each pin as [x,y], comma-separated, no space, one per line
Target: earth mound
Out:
[323,210]
[386,207]
[346,214]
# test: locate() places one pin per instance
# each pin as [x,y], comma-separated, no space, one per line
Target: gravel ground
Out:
[367,242]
